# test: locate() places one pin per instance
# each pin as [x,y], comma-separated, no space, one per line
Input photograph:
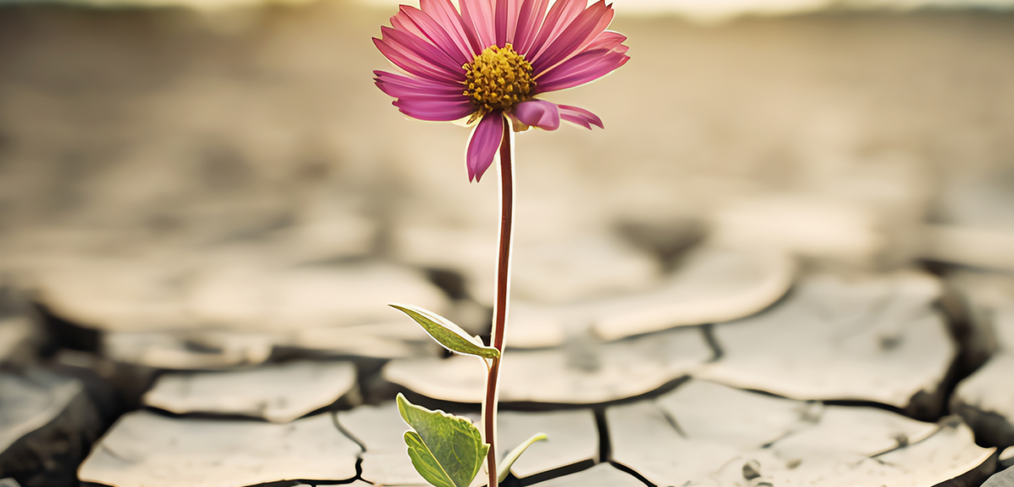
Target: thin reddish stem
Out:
[503,279]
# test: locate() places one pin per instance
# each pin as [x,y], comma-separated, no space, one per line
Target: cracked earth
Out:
[783,264]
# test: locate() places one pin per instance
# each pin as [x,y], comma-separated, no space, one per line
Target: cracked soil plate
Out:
[149,450]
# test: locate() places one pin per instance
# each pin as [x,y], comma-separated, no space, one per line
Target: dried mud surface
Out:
[187,192]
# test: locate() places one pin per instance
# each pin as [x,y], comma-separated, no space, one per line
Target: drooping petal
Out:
[558,18]
[585,28]
[580,116]
[578,70]
[478,15]
[423,52]
[483,144]
[400,86]
[529,21]
[437,34]
[538,113]
[444,13]
[434,110]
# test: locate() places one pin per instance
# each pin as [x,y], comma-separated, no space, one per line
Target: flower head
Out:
[492,59]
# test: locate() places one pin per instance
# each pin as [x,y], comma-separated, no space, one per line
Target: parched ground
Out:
[228,191]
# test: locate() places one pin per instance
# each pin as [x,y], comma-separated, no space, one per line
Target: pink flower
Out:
[492,59]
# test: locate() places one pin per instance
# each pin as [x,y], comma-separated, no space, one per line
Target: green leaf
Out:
[508,461]
[446,333]
[446,450]
[425,463]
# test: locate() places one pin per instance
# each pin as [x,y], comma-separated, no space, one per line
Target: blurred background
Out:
[199,141]
[199,184]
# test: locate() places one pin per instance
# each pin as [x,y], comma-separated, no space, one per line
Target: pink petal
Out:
[538,113]
[400,86]
[505,18]
[580,116]
[423,52]
[410,62]
[578,70]
[436,33]
[400,22]
[559,17]
[529,21]
[434,110]
[444,13]
[500,22]
[585,28]
[483,144]
[478,14]
[513,13]
[607,40]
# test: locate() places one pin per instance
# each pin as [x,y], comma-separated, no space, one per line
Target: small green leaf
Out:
[508,461]
[446,450]
[446,333]
[424,463]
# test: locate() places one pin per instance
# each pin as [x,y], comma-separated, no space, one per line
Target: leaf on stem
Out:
[446,333]
[508,461]
[446,450]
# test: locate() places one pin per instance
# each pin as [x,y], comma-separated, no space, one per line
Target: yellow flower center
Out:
[498,79]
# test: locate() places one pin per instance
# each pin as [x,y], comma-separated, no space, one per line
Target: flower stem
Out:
[503,279]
